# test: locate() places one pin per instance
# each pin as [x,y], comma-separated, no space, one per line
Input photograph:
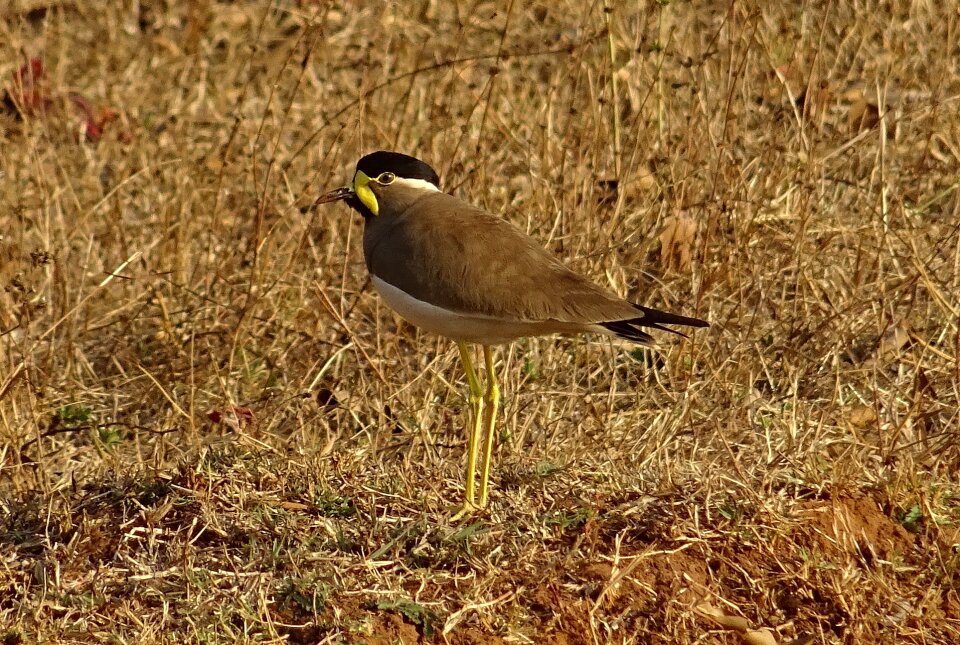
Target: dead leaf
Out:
[760,637]
[862,416]
[643,181]
[32,95]
[95,119]
[235,417]
[896,338]
[867,351]
[294,506]
[862,115]
[736,623]
[676,243]
[631,77]
[806,639]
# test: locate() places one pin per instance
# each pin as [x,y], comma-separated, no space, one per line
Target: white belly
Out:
[458,326]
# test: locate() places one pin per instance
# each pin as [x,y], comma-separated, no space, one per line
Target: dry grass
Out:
[212,431]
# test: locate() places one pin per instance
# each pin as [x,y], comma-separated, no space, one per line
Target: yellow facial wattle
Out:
[361,186]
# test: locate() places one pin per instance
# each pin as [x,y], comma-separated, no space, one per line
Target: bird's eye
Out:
[386,178]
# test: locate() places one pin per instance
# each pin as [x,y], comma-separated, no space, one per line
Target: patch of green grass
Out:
[109,436]
[307,594]
[730,510]
[329,504]
[911,519]
[74,415]
[417,614]
[530,370]
[546,469]
[220,459]
[152,491]
[465,534]
[565,520]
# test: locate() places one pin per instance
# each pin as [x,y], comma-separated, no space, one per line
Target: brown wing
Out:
[456,256]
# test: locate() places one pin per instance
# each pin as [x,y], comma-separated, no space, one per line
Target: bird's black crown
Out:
[399,164]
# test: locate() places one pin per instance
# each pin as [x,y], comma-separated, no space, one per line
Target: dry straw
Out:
[212,431]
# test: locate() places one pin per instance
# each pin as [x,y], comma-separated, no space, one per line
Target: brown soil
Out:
[853,524]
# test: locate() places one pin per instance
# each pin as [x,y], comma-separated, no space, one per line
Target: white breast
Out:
[459,326]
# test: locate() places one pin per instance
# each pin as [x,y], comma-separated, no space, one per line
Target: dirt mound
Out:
[855,524]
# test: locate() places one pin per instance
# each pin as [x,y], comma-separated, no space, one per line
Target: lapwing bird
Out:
[458,271]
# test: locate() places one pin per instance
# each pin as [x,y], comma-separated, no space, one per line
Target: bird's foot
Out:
[468,509]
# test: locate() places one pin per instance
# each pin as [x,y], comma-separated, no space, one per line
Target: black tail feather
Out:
[652,319]
[624,329]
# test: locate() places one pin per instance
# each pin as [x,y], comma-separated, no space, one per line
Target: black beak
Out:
[335,195]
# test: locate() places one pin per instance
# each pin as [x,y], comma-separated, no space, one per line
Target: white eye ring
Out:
[386,178]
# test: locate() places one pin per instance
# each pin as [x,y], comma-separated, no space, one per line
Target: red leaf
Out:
[236,417]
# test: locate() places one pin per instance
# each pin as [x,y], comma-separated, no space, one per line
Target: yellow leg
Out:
[492,401]
[476,407]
